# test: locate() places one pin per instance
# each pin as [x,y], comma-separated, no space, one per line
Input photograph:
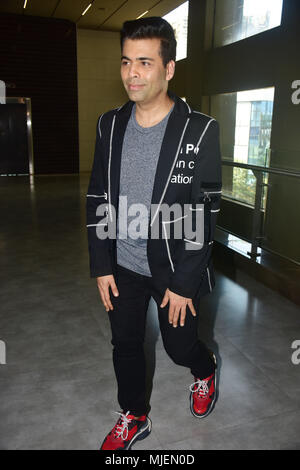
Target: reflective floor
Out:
[58,389]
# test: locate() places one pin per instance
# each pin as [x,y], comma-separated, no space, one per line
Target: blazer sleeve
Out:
[98,246]
[190,266]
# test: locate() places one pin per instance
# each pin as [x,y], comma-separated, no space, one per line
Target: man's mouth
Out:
[134,87]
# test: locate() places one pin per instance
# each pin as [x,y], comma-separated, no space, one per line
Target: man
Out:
[154,152]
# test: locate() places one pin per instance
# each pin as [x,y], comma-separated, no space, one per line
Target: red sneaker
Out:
[203,395]
[126,432]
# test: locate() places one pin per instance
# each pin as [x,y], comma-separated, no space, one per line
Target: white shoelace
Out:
[123,426]
[202,388]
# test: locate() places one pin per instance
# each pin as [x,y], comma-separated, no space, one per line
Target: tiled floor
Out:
[57,388]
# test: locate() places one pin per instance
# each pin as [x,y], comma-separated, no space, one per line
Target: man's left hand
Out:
[177,307]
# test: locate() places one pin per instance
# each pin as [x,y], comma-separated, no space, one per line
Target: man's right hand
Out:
[104,283]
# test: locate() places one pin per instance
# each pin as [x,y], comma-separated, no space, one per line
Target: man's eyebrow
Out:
[145,58]
[138,58]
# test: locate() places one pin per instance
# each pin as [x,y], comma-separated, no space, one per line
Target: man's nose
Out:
[133,70]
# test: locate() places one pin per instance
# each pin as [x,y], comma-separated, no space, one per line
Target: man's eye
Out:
[124,62]
[146,63]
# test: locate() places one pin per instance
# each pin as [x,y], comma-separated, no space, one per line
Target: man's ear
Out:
[170,70]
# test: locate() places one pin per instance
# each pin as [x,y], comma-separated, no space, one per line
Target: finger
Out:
[106,296]
[192,308]
[101,292]
[183,315]
[103,298]
[171,313]
[176,316]
[114,288]
[165,300]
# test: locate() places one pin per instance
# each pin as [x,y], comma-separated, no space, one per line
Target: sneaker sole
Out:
[214,399]
[142,434]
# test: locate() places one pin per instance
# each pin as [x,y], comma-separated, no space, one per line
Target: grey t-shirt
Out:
[140,152]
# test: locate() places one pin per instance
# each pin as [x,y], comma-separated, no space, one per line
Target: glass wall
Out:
[239,19]
[245,121]
[178,18]
[254,110]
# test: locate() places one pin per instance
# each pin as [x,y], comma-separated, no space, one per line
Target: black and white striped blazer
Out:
[188,173]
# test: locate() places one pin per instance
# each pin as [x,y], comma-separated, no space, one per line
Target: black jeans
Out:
[128,320]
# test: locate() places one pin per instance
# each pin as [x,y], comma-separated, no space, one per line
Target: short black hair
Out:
[152,27]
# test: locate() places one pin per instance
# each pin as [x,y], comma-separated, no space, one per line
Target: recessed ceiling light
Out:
[145,12]
[87,8]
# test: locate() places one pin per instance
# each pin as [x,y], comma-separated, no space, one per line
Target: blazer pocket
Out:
[172,231]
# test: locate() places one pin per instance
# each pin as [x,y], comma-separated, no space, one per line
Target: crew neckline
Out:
[148,129]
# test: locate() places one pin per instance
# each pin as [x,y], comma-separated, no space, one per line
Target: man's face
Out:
[142,71]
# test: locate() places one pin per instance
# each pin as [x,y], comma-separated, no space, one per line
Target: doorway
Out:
[16,153]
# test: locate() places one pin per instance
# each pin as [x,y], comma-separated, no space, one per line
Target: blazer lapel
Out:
[169,152]
[121,121]
[170,149]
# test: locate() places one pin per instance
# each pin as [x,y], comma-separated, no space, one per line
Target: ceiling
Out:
[102,15]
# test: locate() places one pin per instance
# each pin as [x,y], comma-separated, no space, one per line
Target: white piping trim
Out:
[188,107]
[210,288]
[195,243]
[109,164]
[216,210]
[99,128]
[95,225]
[171,171]
[164,222]
[118,109]
[175,220]
[97,195]
[203,114]
[167,245]
[200,209]
[203,133]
